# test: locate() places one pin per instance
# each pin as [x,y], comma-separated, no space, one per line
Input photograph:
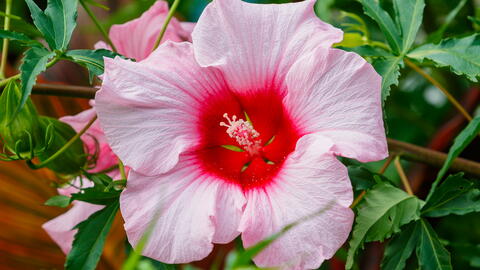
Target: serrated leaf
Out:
[373,9]
[389,69]
[95,196]
[456,195]
[460,142]
[436,36]
[100,180]
[22,38]
[59,200]
[91,59]
[462,55]
[34,63]
[431,254]
[382,212]
[362,178]
[90,239]
[401,247]
[57,22]
[409,14]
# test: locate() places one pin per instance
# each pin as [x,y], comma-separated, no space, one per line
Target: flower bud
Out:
[70,161]
[20,131]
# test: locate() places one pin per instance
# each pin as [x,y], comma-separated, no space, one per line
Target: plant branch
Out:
[64,147]
[165,24]
[431,157]
[403,176]
[99,26]
[449,96]
[6,26]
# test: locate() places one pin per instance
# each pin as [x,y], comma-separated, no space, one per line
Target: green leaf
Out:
[57,22]
[70,161]
[381,213]
[431,254]
[59,200]
[22,38]
[34,63]
[389,69]
[436,36]
[90,239]
[462,55]
[94,196]
[409,14]
[373,9]
[101,180]
[362,178]
[459,144]
[401,247]
[367,51]
[456,195]
[91,59]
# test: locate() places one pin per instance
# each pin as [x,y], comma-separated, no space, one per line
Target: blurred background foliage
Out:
[416,112]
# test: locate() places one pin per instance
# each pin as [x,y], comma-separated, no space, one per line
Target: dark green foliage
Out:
[456,195]
[90,59]
[431,253]
[20,130]
[34,63]
[462,55]
[70,161]
[382,212]
[401,247]
[21,38]
[90,239]
[56,23]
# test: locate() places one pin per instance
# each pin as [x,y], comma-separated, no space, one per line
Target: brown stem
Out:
[417,153]
[64,90]
[403,176]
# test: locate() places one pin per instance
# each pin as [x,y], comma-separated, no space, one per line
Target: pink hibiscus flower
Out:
[237,133]
[145,30]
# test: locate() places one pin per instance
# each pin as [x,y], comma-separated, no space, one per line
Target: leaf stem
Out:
[6,26]
[5,81]
[429,78]
[403,176]
[165,24]
[97,23]
[65,146]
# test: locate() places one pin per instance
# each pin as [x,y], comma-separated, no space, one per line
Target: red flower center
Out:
[245,139]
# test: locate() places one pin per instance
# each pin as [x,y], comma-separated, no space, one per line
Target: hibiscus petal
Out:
[337,94]
[312,179]
[254,44]
[159,100]
[61,229]
[136,38]
[194,208]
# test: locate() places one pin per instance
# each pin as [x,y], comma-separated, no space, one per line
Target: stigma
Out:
[243,133]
